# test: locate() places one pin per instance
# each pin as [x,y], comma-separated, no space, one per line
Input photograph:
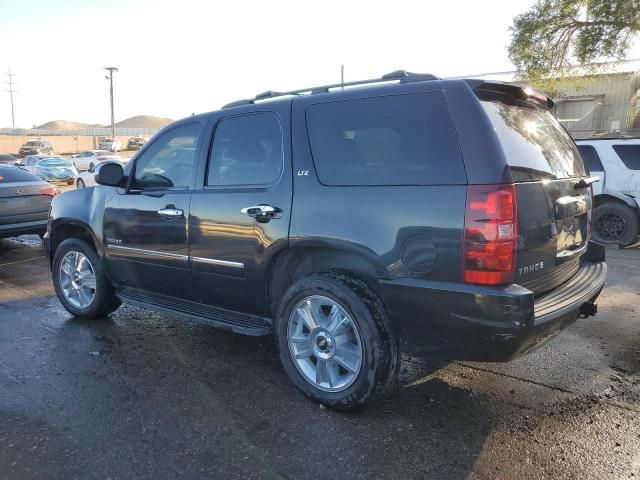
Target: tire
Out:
[104,300]
[615,223]
[367,326]
[80,183]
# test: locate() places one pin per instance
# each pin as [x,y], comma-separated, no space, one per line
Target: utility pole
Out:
[11,92]
[110,78]
[342,75]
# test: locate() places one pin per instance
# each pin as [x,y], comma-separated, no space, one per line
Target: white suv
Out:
[617,194]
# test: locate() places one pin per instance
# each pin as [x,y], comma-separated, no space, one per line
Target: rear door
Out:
[554,208]
[21,199]
[240,211]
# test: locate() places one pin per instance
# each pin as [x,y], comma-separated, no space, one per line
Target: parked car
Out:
[135,143]
[110,144]
[35,147]
[87,179]
[617,195]
[50,168]
[88,159]
[24,202]
[417,215]
[7,158]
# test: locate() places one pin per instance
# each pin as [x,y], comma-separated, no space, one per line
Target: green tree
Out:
[555,36]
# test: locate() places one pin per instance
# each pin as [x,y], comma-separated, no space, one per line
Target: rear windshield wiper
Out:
[585,182]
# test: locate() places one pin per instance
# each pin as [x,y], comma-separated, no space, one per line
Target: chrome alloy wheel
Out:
[77,279]
[324,343]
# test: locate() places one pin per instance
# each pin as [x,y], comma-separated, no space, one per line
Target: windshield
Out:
[55,162]
[535,143]
[32,144]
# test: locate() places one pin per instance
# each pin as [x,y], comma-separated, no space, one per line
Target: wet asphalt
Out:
[144,395]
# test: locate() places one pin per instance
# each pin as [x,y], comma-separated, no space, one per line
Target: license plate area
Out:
[572,224]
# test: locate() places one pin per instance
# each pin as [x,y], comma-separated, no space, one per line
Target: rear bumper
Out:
[15,229]
[471,322]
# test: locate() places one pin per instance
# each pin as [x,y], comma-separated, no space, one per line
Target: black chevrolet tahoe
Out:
[352,222]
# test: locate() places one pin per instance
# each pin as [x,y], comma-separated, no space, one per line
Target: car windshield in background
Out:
[55,162]
[533,140]
[32,144]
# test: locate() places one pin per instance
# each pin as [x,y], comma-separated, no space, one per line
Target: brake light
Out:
[490,234]
[50,191]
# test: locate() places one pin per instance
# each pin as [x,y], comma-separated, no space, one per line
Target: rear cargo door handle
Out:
[171,211]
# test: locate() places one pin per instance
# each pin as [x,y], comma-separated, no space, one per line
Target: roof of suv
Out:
[617,141]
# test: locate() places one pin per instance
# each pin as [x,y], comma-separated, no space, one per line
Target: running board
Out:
[236,322]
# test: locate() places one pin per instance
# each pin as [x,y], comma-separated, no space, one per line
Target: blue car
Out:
[52,169]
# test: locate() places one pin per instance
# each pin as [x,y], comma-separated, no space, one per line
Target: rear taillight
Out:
[50,191]
[490,234]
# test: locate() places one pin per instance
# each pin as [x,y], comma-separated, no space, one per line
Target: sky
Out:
[184,56]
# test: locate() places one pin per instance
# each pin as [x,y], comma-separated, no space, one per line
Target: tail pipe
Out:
[588,309]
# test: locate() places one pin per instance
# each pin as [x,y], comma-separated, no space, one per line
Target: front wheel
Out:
[80,282]
[615,223]
[334,340]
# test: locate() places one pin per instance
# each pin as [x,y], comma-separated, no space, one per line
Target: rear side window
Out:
[591,158]
[393,140]
[15,174]
[536,145]
[246,150]
[629,154]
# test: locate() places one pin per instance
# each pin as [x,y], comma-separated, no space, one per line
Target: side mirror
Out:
[110,174]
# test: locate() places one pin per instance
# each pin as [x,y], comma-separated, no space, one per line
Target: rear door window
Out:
[630,155]
[591,158]
[246,150]
[392,140]
[536,145]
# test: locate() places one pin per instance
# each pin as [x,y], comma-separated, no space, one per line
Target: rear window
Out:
[14,174]
[393,140]
[536,145]
[591,158]
[630,155]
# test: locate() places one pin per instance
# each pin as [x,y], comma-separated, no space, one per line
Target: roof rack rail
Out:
[399,75]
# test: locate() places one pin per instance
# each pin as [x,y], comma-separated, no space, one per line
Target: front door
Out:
[145,227]
[240,212]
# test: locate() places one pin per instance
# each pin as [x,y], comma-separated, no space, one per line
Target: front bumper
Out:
[474,322]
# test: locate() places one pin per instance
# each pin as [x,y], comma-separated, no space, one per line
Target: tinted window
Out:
[394,140]
[629,154]
[534,142]
[246,150]
[169,161]
[591,158]
[15,174]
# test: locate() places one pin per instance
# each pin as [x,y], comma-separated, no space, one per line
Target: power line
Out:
[11,91]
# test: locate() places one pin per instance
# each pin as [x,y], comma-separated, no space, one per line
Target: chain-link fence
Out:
[89,131]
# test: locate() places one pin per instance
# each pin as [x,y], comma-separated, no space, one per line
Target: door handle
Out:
[171,211]
[262,213]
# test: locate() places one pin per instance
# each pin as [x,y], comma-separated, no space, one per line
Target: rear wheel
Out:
[80,282]
[334,340]
[615,223]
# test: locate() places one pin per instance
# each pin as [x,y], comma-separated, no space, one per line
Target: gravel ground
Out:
[144,395]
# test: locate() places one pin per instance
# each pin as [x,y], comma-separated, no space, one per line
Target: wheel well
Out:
[71,230]
[293,264]
[604,198]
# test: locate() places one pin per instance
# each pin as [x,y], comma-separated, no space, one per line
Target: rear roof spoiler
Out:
[513,90]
